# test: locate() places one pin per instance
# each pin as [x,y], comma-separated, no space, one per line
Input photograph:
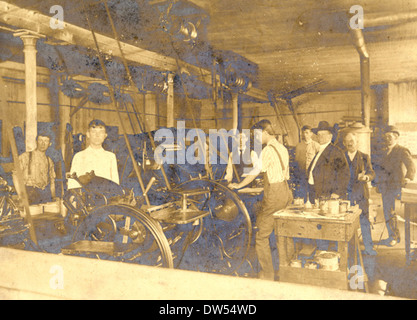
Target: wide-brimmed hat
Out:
[323,125]
[392,129]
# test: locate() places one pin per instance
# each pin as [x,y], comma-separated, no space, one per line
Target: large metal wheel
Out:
[122,233]
[220,242]
[7,207]
[13,229]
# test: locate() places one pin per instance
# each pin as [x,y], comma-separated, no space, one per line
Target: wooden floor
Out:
[34,275]
[31,278]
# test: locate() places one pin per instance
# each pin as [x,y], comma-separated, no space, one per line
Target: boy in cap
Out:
[392,179]
[94,157]
[304,154]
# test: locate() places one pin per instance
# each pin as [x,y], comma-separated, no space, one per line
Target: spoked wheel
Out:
[122,233]
[224,242]
[13,229]
[7,206]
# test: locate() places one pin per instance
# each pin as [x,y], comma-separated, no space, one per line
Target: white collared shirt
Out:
[103,163]
[321,149]
[269,162]
[352,155]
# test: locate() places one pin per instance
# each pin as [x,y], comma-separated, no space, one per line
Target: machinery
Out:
[199,224]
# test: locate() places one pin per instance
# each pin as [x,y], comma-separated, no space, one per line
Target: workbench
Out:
[297,222]
[409,198]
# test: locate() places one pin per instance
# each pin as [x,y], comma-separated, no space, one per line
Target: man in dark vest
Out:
[38,171]
[241,159]
[361,172]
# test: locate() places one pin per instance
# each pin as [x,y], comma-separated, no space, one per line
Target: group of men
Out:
[38,169]
[323,171]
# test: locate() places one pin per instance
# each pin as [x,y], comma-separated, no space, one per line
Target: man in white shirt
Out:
[94,157]
[274,163]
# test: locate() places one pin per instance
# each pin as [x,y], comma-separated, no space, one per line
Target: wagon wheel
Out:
[13,229]
[123,233]
[224,242]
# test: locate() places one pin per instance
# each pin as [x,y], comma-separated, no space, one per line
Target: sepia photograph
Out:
[208,155]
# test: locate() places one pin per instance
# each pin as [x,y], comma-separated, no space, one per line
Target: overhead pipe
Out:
[378,20]
[360,45]
[373,20]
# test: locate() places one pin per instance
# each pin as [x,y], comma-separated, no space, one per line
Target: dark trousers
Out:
[388,203]
[363,204]
[36,195]
[303,192]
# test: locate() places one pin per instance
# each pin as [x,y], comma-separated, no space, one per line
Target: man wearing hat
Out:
[94,157]
[328,174]
[304,154]
[38,171]
[392,179]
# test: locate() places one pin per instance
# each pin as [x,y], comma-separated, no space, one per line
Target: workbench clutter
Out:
[299,230]
[409,199]
[323,207]
[325,260]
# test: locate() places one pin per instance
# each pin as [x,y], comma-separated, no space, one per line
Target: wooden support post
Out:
[170,101]
[29,39]
[235,110]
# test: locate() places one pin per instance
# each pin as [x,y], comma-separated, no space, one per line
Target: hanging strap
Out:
[280,160]
[30,165]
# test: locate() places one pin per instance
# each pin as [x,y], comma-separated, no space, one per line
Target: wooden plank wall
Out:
[402,100]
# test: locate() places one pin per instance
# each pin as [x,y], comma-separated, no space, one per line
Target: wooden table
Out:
[294,222]
[409,198]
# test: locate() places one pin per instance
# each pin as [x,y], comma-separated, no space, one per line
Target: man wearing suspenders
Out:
[274,164]
[38,171]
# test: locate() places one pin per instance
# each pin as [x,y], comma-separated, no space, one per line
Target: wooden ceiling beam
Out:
[22,18]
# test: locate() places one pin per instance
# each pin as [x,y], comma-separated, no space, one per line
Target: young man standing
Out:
[38,171]
[304,154]
[274,163]
[94,157]
[393,178]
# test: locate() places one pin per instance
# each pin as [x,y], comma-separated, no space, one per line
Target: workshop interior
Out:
[162,94]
